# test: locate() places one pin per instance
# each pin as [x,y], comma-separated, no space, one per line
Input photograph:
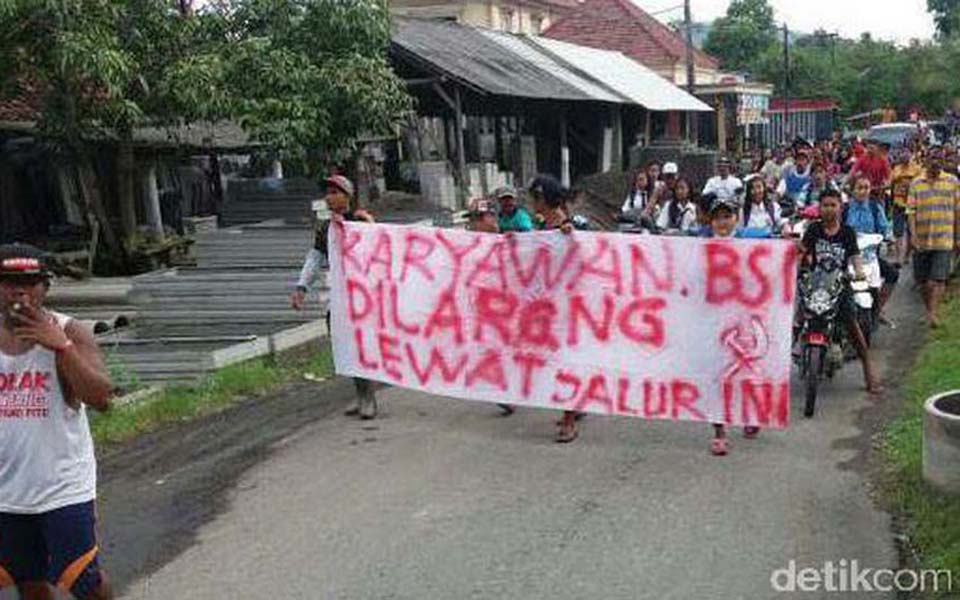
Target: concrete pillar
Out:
[564,153]
[617,155]
[673,125]
[152,198]
[721,124]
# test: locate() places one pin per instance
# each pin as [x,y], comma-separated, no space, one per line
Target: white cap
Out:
[670,168]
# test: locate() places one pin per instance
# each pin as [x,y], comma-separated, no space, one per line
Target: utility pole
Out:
[692,117]
[786,82]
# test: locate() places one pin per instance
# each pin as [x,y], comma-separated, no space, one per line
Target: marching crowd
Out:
[836,190]
[51,367]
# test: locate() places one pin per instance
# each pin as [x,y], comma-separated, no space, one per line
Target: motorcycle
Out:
[866,293]
[637,223]
[822,336]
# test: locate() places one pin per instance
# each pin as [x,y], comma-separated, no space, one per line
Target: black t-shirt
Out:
[320,236]
[836,249]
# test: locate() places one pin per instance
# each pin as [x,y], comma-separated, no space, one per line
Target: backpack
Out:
[874,211]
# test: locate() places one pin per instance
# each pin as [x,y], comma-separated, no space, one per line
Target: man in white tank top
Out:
[50,370]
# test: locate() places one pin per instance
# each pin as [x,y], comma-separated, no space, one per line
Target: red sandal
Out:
[718,446]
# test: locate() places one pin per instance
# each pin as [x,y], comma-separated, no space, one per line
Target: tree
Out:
[745,32]
[308,77]
[946,16]
[304,77]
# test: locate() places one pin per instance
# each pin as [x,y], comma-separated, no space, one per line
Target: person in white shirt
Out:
[679,213]
[760,210]
[51,372]
[724,186]
[641,192]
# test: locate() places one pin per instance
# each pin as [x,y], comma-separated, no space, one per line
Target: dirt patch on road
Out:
[158,489]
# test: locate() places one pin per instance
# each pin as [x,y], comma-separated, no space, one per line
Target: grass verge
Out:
[932,518]
[218,391]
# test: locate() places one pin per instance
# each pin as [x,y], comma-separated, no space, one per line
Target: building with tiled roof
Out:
[623,26]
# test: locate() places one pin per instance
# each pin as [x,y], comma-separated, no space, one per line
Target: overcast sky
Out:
[898,20]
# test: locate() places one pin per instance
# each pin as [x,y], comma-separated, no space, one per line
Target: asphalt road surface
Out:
[445,499]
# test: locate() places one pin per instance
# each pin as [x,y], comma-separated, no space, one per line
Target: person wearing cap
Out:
[724,219]
[724,186]
[339,197]
[51,370]
[513,218]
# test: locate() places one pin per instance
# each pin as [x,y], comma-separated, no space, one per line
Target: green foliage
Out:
[745,32]
[934,518]
[862,74]
[121,375]
[946,16]
[305,77]
[219,391]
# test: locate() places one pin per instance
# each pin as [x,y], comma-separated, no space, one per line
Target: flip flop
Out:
[719,447]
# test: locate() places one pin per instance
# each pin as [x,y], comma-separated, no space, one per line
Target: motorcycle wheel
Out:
[812,382]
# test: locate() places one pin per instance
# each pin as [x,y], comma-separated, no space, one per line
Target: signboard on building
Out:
[752,109]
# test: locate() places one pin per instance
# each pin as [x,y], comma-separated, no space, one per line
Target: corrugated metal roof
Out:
[465,54]
[628,77]
[521,46]
[533,67]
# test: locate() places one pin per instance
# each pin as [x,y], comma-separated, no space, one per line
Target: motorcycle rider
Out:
[639,196]
[679,213]
[795,182]
[865,215]
[723,186]
[829,240]
[760,211]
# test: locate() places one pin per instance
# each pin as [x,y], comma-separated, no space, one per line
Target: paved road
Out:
[444,499]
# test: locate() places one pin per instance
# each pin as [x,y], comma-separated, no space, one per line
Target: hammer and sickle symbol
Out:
[748,341]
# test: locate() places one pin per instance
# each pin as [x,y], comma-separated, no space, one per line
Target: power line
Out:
[664,10]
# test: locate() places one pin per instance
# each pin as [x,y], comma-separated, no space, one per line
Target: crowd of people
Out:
[909,195]
[52,368]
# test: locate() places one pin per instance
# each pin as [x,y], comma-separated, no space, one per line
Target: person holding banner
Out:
[483,216]
[340,194]
[512,217]
[724,218]
[548,204]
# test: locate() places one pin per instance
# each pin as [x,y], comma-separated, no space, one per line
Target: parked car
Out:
[896,135]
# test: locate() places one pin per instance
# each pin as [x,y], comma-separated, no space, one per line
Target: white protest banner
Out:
[642,326]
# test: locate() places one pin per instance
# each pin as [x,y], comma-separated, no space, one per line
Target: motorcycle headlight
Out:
[820,302]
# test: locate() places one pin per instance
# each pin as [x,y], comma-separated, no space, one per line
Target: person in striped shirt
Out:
[933,207]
